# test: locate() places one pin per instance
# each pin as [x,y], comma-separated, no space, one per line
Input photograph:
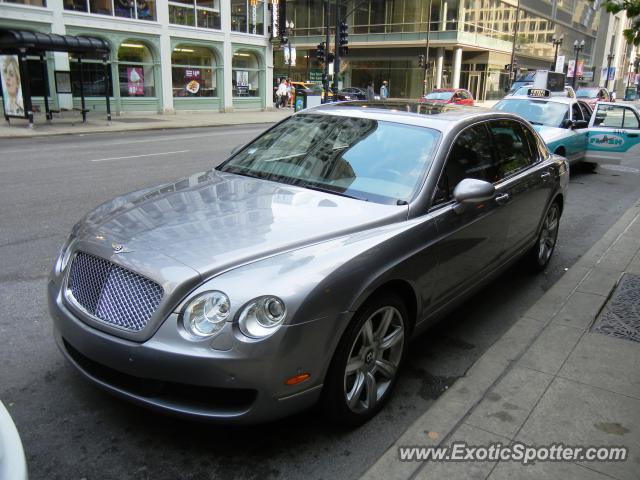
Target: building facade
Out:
[166,55]
[470,41]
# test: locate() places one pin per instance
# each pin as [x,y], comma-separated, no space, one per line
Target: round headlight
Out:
[205,315]
[262,316]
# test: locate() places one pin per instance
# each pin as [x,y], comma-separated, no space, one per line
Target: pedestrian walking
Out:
[281,94]
[370,91]
[289,93]
[384,91]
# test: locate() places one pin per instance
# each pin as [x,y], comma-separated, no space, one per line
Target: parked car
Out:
[13,465]
[593,95]
[298,269]
[355,93]
[611,134]
[458,96]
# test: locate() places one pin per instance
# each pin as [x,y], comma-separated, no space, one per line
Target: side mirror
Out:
[566,123]
[580,124]
[236,149]
[471,190]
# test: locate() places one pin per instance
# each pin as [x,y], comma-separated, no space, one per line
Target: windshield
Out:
[587,93]
[439,96]
[538,112]
[361,158]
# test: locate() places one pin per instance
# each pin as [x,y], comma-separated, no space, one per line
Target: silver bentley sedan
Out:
[298,269]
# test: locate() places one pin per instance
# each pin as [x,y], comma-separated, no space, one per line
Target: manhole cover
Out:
[137,120]
[620,168]
[620,317]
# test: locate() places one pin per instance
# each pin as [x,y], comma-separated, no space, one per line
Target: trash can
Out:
[631,94]
[300,102]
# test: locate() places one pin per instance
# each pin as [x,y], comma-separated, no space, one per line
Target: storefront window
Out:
[135,70]
[193,72]
[195,13]
[246,75]
[247,16]
[138,9]
[93,77]
[32,3]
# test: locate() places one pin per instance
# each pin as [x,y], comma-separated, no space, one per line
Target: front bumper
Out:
[225,380]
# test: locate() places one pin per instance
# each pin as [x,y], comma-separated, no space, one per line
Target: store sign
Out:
[275,19]
[12,100]
[571,66]
[192,80]
[587,76]
[135,81]
[560,63]
[315,75]
[254,16]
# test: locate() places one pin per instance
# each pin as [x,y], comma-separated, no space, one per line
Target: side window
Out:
[537,147]
[586,111]
[630,119]
[512,146]
[470,157]
[576,113]
[609,116]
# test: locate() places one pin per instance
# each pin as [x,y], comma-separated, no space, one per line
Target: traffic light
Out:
[320,52]
[343,38]
[421,60]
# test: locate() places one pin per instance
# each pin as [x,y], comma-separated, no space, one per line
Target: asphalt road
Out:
[71,430]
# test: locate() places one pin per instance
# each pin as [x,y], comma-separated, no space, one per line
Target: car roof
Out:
[555,99]
[434,115]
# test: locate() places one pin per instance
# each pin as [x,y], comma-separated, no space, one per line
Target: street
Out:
[72,430]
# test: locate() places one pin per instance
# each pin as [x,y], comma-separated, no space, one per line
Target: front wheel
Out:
[541,252]
[365,366]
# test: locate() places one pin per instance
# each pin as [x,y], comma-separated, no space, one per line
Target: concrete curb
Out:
[436,426]
[17,132]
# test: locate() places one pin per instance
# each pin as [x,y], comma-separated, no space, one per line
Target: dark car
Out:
[354,93]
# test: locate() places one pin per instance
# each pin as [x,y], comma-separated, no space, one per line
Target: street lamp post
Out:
[290,27]
[610,58]
[556,41]
[577,47]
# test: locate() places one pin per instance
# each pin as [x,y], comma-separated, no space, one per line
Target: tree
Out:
[632,8]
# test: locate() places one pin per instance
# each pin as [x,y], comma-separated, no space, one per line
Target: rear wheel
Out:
[541,252]
[365,366]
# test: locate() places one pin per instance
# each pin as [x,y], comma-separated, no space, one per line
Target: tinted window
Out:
[586,111]
[358,157]
[576,112]
[512,147]
[470,157]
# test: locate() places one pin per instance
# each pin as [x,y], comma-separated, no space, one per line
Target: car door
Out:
[522,176]
[613,135]
[471,241]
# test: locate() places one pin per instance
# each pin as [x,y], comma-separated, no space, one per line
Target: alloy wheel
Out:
[374,359]
[548,235]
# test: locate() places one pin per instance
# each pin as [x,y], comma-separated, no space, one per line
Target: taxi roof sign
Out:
[538,93]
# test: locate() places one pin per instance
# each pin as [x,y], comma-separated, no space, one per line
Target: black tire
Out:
[538,258]
[338,381]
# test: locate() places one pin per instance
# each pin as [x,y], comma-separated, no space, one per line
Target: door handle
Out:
[545,176]
[502,198]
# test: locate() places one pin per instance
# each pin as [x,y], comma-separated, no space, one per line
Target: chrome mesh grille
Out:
[113,294]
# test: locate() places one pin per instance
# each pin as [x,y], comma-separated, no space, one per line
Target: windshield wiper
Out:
[535,123]
[317,188]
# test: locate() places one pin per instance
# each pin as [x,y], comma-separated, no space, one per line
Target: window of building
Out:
[32,3]
[193,72]
[135,70]
[93,76]
[195,13]
[246,74]
[247,16]
[138,9]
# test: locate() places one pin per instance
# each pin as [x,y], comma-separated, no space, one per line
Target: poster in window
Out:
[135,81]
[192,80]
[63,81]
[12,100]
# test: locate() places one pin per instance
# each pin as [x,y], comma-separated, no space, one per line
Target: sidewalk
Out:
[71,122]
[562,374]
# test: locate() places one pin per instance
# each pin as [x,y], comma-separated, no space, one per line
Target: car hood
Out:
[550,134]
[213,221]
